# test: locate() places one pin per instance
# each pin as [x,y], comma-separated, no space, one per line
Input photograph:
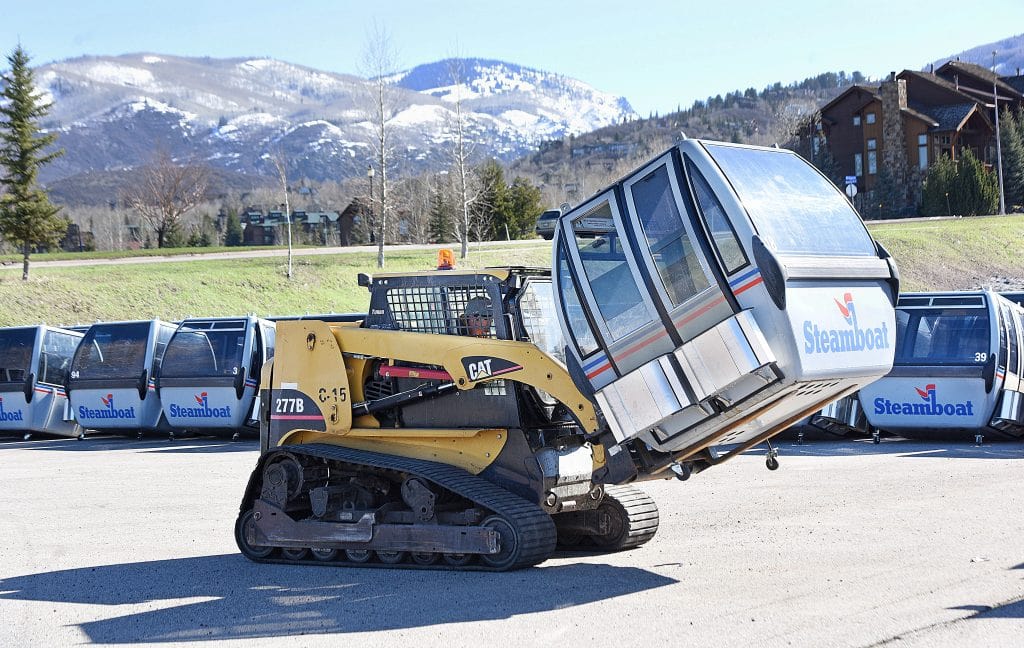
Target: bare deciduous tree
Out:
[282,176]
[165,191]
[466,183]
[380,60]
[416,194]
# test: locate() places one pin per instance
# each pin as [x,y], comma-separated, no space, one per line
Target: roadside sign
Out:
[851,190]
[851,180]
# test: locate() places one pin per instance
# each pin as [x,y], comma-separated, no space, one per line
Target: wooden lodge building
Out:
[911,119]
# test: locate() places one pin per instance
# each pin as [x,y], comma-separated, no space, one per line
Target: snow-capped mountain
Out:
[547,104]
[112,112]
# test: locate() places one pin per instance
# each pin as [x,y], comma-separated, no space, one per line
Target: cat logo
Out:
[480,367]
[478,370]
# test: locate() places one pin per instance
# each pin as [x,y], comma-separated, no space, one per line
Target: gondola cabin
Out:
[957,372]
[112,382]
[210,374]
[34,364]
[718,295]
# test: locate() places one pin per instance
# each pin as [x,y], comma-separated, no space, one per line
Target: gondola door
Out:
[676,259]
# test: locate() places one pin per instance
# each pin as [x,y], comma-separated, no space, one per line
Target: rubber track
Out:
[534,527]
[641,512]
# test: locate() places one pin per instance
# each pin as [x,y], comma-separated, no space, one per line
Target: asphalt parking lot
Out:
[116,541]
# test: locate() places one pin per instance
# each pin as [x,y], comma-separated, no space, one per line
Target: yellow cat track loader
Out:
[477,419]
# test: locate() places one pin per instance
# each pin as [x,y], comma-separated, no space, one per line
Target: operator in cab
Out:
[476,320]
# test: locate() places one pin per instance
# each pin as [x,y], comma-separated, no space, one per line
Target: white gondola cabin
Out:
[210,372]
[112,382]
[34,364]
[718,295]
[958,369]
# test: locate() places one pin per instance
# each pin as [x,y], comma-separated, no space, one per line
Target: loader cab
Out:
[112,384]
[699,296]
[520,306]
[958,369]
[34,364]
[210,372]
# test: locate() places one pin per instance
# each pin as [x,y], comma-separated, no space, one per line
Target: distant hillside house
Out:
[322,227]
[902,126]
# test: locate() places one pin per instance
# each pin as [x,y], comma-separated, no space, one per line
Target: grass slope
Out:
[197,287]
[932,255]
[957,254]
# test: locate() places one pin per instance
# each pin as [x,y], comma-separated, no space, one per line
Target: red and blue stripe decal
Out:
[649,338]
[596,365]
[600,363]
[250,382]
[43,389]
[746,281]
[689,315]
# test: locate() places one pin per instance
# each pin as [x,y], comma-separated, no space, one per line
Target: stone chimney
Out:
[893,93]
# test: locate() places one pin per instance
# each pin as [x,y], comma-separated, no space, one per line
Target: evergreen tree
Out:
[1011,140]
[492,203]
[232,230]
[886,199]
[173,237]
[27,217]
[441,219]
[207,232]
[976,189]
[520,210]
[937,185]
[203,234]
[962,188]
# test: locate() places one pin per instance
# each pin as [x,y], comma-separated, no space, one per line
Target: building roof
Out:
[935,80]
[1015,82]
[949,117]
[987,76]
[871,91]
[917,114]
[313,218]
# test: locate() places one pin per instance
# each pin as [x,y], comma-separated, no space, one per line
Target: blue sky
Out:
[659,54]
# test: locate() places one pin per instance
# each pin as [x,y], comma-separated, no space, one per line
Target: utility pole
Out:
[999,147]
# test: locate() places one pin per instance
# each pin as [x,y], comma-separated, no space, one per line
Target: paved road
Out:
[113,541]
[249,254]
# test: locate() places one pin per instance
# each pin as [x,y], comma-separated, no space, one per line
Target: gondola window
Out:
[667,239]
[604,261]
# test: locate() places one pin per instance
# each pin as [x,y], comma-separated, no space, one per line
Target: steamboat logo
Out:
[846,307]
[201,408]
[820,340]
[927,393]
[108,411]
[13,415]
[929,405]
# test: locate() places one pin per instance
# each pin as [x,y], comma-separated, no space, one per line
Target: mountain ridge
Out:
[237,113]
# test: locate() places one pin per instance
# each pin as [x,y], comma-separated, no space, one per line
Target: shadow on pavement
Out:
[902,447]
[249,600]
[1010,610]
[100,443]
